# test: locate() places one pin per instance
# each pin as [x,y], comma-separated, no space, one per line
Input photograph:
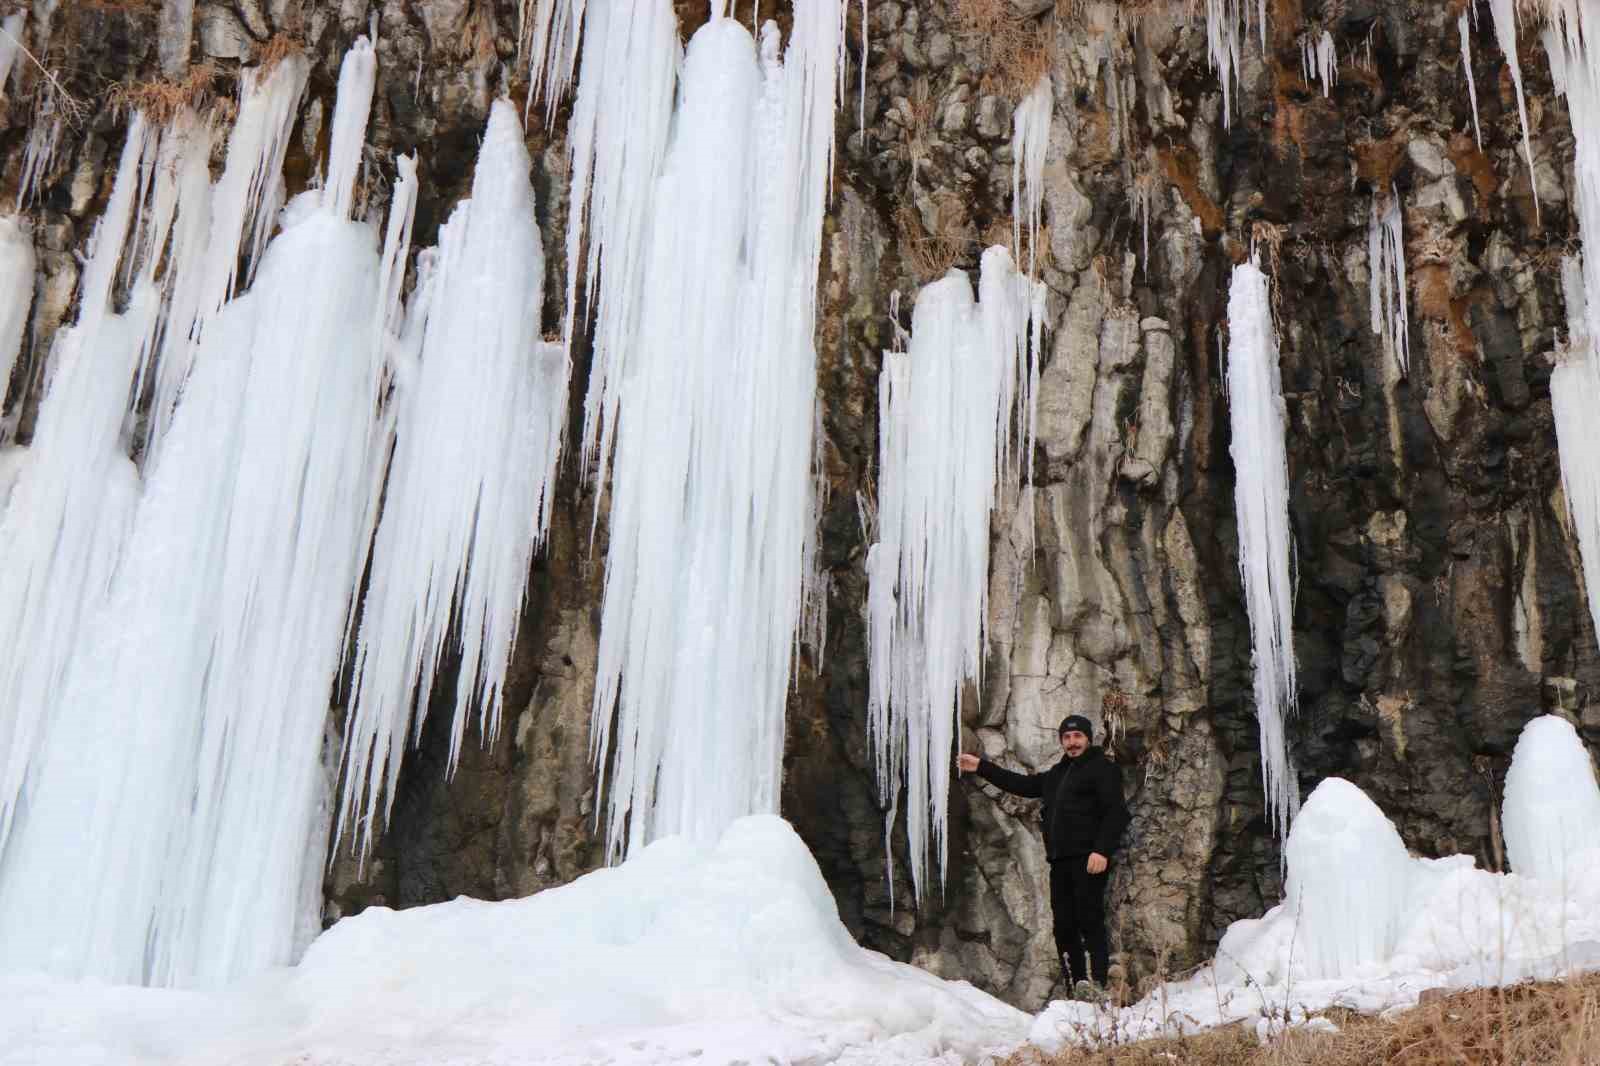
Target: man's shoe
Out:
[1088,992]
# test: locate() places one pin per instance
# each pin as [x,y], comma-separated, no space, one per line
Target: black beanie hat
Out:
[1076,722]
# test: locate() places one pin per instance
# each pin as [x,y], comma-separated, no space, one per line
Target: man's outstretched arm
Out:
[1029,786]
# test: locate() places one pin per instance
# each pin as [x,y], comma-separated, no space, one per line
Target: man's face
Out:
[1074,743]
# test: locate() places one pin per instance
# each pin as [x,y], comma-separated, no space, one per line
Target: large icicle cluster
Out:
[708,424]
[1227,33]
[1575,383]
[481,412]
[1386,277]
[1261,498]
[955,416]
[1319,59]
[173,804]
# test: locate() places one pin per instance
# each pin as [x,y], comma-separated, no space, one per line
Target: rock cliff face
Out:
[1440,597]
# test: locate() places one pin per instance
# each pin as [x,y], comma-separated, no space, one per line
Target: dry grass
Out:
[1547,1024]
[161,100]
[930,255]
[275,50]
[1015,51]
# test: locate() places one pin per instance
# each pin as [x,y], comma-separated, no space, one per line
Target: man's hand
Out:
[1097,863]
[967,763]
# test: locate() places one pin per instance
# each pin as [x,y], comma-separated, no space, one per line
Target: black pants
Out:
[1078,903]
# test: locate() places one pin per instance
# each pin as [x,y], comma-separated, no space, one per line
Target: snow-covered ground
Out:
[734,953]
[684,953]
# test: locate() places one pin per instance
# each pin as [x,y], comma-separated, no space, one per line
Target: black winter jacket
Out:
[1083,809]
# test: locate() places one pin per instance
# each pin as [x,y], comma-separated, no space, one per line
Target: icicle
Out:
[16,299]
[186,162]
[224,220]
[712,493]
[358,76]
[955,418]
[469,488]
[618,133]
[11,31]
[1030,138]
[1261,498]
[1319,59]
[1386,272]
[1505,32]
[1466,65]
[44,137]
[554,52]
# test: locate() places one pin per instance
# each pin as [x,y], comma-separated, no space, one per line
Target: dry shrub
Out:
[1015,51]
[161,100]
[275,50]
[1546,1024]
[930,255]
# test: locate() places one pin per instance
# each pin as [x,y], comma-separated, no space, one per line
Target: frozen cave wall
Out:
[1440,600]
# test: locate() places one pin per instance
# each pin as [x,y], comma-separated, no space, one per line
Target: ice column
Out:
[1551,809]
[1464,27]
[1349,876]
[11,31]
[1030,139]
[712,499]
[1386,274]
[953,413]
[1505,32]
[1261,500]
[479,433]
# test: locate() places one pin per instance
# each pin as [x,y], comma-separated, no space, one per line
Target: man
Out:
[1084,815]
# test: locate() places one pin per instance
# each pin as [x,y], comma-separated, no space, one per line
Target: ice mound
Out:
[685,952]
[1348,878]
[1551,811]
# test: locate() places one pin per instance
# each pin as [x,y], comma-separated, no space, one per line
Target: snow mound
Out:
[686,952]
[1552,804]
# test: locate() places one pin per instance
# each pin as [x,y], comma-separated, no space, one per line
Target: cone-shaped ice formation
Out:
[953,417]
[1349,877]
[1261,496]
[1030,140]
[1551,810]
[468,501]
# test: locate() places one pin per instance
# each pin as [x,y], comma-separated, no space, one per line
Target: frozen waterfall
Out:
[1552,803]
[711,519]
[1261,500]
[174,805]
[955,418]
